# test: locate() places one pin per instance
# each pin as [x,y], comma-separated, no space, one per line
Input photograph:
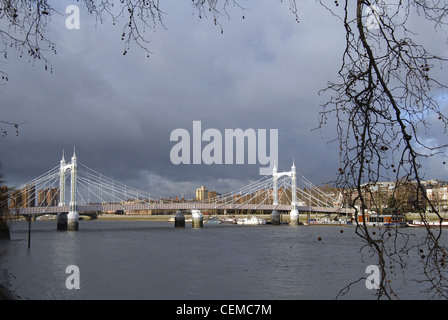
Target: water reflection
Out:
[154,260]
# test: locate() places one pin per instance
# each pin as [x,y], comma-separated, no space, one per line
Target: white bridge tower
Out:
[68,221]
[294,214]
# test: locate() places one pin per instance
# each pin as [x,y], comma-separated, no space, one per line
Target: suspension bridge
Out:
[90,191]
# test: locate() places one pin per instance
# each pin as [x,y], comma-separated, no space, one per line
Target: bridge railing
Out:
[176,206]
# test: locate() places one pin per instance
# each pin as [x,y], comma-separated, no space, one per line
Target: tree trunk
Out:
[4,230]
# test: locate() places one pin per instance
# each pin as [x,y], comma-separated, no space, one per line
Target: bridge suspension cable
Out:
[46,186]
[259,192]
[95,188]
[99,188]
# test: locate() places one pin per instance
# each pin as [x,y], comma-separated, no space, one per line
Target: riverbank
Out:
[144,217]
[303,217]
[5,294]
[134,217]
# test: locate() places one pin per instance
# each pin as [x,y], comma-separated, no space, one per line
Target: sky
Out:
[263,72]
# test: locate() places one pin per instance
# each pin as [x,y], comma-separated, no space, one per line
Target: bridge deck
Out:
[177,206]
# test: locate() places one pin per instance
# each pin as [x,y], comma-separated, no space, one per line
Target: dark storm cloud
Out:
[264,72]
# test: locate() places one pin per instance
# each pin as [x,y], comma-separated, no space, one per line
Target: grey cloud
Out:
[264,72]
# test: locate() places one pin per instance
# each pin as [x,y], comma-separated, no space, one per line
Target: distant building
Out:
[48,197]
[403,195]
[439,198]
[212,195]
[201,193]
[24,198]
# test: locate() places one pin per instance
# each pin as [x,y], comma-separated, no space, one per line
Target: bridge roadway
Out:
[176,206]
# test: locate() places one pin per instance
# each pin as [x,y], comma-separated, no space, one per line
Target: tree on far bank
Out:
[4,230]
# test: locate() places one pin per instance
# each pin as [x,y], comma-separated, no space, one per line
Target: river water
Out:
[154,260]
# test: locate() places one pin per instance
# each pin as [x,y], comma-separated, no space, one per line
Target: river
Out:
[154,260]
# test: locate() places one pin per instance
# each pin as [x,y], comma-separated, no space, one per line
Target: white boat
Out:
[213,220]
[382,220]
[326,221]
[251,221]
[229,221]
[436,224]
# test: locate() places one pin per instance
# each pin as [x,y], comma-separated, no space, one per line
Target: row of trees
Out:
[403,197]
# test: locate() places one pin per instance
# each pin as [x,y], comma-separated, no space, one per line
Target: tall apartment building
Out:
[201,193]
[48,197]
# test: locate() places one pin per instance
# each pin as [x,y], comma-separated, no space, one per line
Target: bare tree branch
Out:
[382,104]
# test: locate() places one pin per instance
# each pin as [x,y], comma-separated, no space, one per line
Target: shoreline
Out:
[285,217]
[6,294]
[133,217]
[303,218]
